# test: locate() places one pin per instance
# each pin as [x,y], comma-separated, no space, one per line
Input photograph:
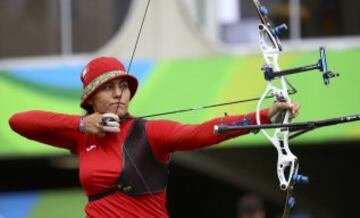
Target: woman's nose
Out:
[117,91]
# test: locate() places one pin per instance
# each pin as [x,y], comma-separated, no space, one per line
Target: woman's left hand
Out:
[281,106]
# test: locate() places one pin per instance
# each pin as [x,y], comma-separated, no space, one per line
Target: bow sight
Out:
[321,65]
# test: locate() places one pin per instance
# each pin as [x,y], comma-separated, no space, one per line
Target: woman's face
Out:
[112,97]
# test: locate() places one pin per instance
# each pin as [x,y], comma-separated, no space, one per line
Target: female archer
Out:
[123,160]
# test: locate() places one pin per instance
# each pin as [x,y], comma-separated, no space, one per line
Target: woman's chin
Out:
[117,110]
[121,114]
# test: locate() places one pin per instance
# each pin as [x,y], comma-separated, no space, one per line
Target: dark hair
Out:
[89,109]
[249,204]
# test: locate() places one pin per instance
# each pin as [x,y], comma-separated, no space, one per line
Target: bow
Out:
[287,164]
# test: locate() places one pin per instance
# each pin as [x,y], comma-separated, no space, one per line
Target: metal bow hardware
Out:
[288,164]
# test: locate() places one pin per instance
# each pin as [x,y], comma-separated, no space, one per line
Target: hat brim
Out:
[132,82]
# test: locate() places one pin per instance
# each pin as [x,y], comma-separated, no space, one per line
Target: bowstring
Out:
[127,72]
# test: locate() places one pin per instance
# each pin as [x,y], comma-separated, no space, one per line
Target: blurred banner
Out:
[167,85]
[31,204]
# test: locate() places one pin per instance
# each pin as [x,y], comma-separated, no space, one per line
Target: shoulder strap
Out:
[142,173]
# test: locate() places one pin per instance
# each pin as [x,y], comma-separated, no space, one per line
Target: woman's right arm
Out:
[47,127]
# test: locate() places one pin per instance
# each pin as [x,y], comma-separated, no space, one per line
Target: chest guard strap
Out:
[142,173]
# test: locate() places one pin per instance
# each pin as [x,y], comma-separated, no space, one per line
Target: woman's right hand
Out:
[93,124]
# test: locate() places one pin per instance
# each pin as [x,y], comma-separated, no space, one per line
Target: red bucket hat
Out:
[102,70]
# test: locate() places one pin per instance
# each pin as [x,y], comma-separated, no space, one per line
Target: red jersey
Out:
[100,158]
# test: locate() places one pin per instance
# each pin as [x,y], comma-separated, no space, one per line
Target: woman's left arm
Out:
[168,136]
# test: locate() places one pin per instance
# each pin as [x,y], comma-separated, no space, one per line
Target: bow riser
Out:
[287,165]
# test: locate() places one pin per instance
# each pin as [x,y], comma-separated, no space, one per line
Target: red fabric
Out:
[98,66]
[167,136]
[102,65]
[100,159]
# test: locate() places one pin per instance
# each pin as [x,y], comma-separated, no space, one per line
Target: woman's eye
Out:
[123,86]
[107,86]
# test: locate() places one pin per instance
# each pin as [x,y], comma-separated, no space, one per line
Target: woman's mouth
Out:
[117,104]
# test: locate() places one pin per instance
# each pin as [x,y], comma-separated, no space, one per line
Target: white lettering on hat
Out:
[84,73]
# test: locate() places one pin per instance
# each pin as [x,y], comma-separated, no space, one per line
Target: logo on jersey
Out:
[91,147]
